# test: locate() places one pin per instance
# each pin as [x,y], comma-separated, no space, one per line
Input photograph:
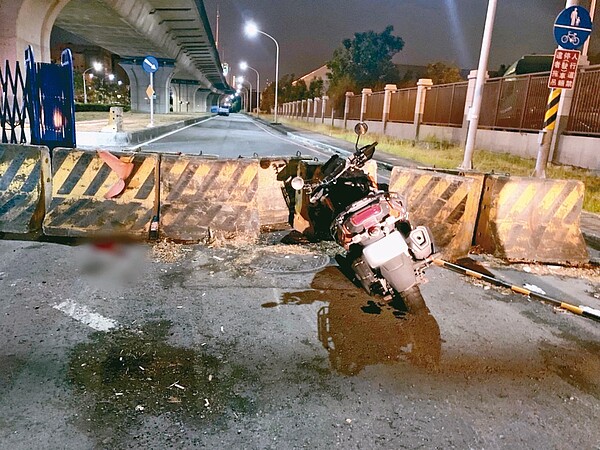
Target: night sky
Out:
[449,30]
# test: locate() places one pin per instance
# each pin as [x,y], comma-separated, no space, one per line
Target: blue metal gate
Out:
[51,104]
[45,96]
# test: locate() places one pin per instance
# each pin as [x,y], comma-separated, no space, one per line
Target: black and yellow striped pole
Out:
[584,311]
[546,134]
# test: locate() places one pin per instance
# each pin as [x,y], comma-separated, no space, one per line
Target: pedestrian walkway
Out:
[93,130]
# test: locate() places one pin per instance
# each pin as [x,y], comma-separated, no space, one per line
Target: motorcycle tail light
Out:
[398,208]
[362,216]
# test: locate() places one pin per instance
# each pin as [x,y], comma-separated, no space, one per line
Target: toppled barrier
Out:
[24,187]
[532,220]
[89,198]
[199,194]
[447,204]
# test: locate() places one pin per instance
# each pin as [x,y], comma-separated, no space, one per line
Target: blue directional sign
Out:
[572,27]
[150,64]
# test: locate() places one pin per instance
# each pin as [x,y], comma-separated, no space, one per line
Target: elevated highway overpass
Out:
[177,32]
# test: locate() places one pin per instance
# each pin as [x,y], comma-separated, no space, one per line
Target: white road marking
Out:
[138,146]
[82,314]
[288,140]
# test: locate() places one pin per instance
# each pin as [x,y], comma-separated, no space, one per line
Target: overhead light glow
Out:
[251,29]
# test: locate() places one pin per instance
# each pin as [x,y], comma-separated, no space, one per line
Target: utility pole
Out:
[217,34]
[475,110]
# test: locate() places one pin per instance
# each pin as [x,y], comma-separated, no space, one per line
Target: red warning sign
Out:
[564,69]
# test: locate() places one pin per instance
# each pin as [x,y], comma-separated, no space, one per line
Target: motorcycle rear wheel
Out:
[413,300]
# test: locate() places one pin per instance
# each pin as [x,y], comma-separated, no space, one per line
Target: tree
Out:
[442,73]
[499,72]
[315,88]
[268,98]
[364,61]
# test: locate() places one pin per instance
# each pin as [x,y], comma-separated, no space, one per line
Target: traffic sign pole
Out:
[151,99]
[150,64]
[572,28]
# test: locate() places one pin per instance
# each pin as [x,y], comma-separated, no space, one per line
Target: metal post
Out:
[347,107]
[366,92]
[481,71]
[152,99]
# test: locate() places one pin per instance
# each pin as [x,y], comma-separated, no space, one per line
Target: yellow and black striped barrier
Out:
[581,310]
[447,204]
[532,220]
[83,200]
[552,109]
[199,194]
[24,187]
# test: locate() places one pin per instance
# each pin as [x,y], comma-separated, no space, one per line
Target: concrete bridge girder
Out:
[135,23]
[27,22]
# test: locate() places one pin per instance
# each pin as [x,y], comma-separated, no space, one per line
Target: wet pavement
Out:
[223,347]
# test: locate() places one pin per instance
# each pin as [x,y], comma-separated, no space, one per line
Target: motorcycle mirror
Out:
[297,183]
[361,128]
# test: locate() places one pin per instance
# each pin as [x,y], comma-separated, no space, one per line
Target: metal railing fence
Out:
[584,117]
[374,110]
[445,104]
[402,105]
[13,104]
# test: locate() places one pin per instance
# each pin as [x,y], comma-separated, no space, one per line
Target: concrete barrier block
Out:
[447,204]
[198,194]
[274,198]
[81,180]
[24,187]
[532,220]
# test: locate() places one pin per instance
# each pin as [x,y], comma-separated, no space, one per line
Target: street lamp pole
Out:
[244,66]
[252,29]
[475,109]
[249,94]
[97,67]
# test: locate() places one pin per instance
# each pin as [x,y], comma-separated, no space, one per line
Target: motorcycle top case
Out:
[385,249]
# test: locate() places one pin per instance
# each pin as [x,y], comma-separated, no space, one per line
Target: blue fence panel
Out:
[51,103]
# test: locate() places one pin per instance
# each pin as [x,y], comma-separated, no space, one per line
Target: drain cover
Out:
[290,263]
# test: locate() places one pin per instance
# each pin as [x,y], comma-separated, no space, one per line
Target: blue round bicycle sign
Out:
[572,27]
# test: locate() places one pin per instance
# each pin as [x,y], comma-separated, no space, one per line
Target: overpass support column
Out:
[202,100]
[139,80]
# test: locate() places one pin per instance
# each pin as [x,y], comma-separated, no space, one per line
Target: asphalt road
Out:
[229,137]
[269,347]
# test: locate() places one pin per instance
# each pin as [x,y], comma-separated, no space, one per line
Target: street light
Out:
[97,67]
[251,31]
[244,66]
[242,80]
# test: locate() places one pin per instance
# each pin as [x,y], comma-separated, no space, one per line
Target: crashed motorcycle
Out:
[384,253]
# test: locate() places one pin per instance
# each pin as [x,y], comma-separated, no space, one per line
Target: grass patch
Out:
[445,155]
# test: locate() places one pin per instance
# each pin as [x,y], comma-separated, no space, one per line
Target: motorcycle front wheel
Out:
[413,300]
